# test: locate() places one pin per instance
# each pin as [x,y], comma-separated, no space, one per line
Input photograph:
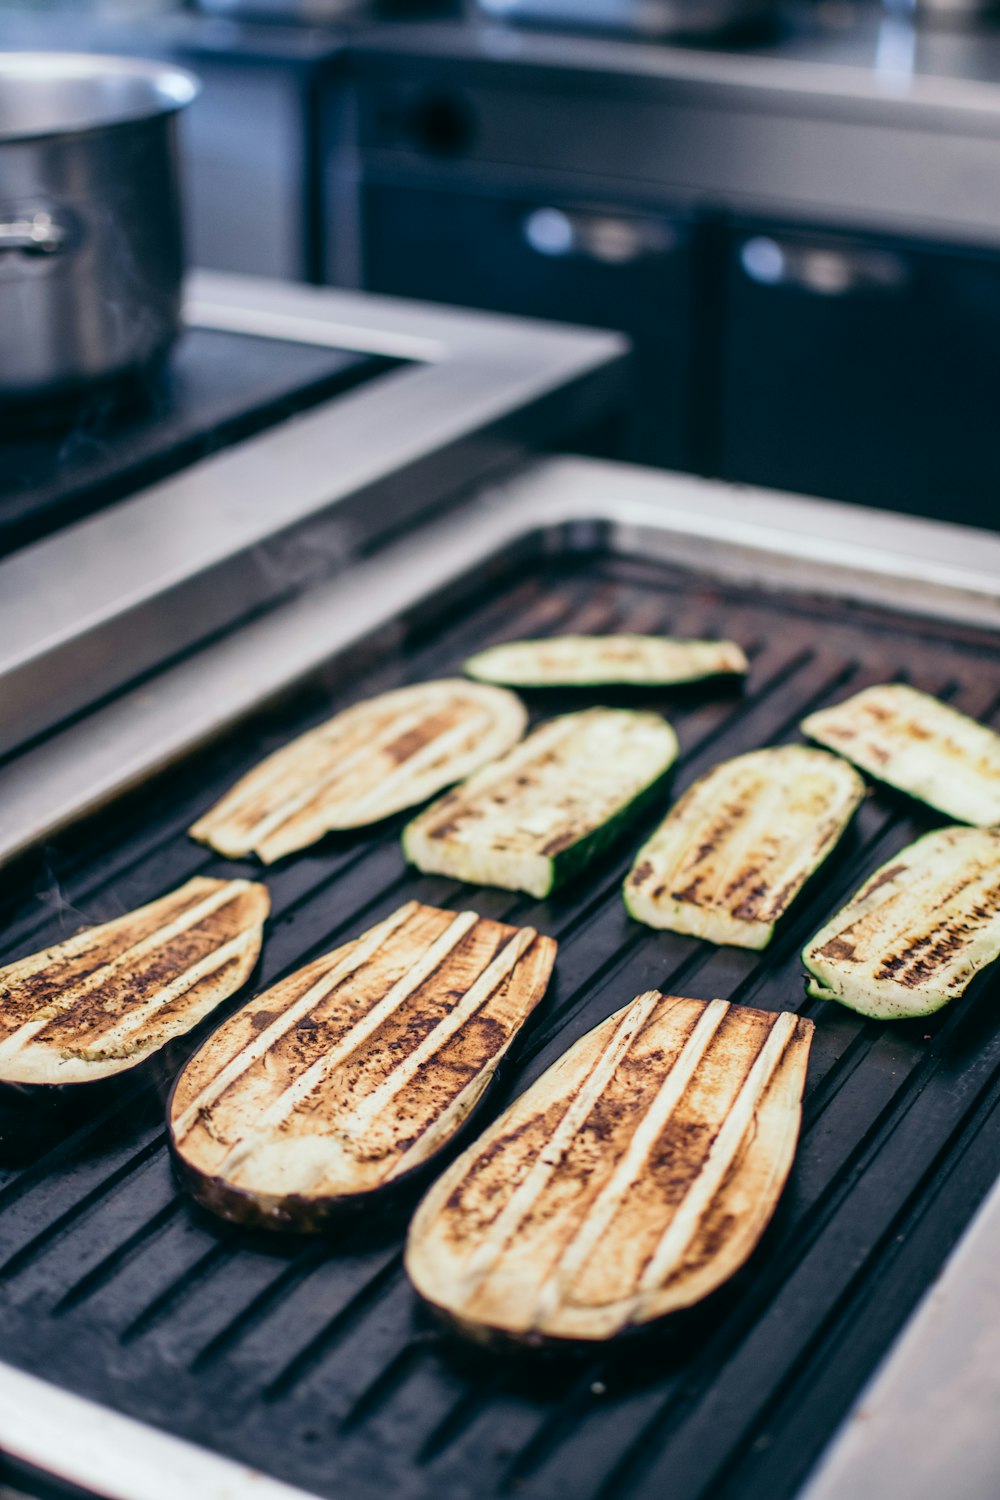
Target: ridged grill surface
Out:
[312,1359]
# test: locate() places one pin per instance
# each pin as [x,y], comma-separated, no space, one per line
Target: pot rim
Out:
[172,88]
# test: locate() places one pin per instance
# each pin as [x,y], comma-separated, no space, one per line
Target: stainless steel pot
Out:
[90,234]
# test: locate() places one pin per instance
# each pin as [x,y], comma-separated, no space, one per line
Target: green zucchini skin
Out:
[917,932]
[911,741]
[448,838]
[572,862]
[627,660]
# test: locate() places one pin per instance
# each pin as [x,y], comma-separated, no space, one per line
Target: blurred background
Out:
[318,469]
[794,211]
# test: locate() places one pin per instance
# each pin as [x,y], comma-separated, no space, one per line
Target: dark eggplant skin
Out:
[628,1183]
[267,1034]
[35,1117]
[297,1214]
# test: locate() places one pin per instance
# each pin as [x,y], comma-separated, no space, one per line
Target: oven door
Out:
[864,370]
[577,261]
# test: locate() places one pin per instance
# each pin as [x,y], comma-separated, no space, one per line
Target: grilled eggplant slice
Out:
[537,817]
[356,1070]
[917,932]
[107,999]
[364,764]
[631,1180]
[603,660]
[918,744]
[735,851]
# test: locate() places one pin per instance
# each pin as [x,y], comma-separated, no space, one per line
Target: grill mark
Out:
[874,733]
[372,1133]
[300,1088]
[562,841]
[446,741]
[919,955]
[839,948]
[114,1042]
[334,1012]
[754,906]
[405,746]
[94,948]
[644,1138]
[476,997]
[212,1059]
[231,1071]
[73,1000]
[137,992]
[722,1152]
[884,878]
[734,872]
[728,820]
[923,957]
[578,1107]
[319,785]
[348,771]
[520,783]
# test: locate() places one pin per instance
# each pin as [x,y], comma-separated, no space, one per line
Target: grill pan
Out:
[312,1360]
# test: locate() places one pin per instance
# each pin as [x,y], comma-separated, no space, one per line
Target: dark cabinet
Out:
[837,364]
[553,256]
[862,369]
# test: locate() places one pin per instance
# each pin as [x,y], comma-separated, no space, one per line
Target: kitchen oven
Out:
[151,1351]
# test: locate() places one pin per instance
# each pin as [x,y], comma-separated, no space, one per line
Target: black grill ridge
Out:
[312,1359]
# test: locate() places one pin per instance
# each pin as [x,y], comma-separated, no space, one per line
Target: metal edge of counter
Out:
[98,603]
[760,537]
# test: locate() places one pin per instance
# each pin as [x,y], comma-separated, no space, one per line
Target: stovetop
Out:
[214,389]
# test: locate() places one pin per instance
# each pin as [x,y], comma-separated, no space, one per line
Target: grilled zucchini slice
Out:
[912,741]
[917,932]
[735,851]
[107,999]
[357,1069]
[551,805]
[364,764]
[603,660]
[631,1180]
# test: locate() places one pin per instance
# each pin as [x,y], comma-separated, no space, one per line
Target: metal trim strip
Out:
[925,1425]
[113,1455]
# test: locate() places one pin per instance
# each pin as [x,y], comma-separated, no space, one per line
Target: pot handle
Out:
[33,234]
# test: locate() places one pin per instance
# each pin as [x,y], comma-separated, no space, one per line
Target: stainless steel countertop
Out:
[184,32]
[850,119]
[852,55]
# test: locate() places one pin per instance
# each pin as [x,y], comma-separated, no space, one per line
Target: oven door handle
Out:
[37,233]
[829,270]
[605,238]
